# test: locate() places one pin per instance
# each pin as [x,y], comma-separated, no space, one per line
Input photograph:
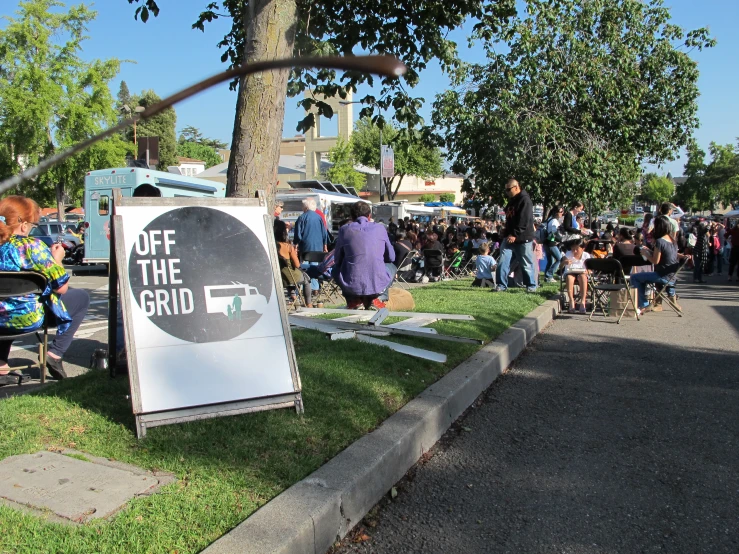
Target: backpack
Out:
[541,232]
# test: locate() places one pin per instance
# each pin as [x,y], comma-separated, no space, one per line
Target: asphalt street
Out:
[92,334]
[601,438]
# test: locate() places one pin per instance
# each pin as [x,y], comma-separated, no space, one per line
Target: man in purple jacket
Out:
[362,248]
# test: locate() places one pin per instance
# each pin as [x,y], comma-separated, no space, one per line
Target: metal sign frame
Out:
[206,411]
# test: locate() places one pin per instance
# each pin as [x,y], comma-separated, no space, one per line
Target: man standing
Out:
[517,238]
[310,231]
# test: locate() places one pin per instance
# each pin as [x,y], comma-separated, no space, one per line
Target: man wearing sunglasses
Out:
[517,237]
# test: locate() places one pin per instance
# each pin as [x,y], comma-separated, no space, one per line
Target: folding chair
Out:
[326,287]
[469,266]
[291,301]
[433,260]
[661,291]
[21,283]
[407,264]
[607,276]
[452,269]
[565,301]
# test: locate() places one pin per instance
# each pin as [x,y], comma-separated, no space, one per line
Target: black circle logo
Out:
[200,275]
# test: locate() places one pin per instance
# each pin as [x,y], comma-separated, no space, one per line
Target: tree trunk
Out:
[390,191]
[260,108]
[59,189]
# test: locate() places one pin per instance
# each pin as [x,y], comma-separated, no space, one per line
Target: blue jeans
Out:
[553,258]
[640,281]
[391,270]
[524,253]
[314,284]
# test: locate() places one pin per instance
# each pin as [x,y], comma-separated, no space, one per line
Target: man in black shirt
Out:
[517,237]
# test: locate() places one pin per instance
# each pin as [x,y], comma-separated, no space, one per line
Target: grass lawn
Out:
[226,468]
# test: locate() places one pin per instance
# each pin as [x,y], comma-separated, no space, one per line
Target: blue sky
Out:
[167,55]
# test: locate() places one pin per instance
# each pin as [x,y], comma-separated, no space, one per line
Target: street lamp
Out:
[138,109]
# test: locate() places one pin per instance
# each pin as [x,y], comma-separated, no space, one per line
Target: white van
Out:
[334,205]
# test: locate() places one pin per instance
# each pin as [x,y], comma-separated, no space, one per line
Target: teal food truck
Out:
[99,187]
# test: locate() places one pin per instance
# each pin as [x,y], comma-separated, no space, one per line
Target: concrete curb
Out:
[313,514]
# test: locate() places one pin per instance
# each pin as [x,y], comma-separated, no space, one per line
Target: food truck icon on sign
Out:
[233,299]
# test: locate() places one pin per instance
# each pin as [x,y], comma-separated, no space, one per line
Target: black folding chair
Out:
[21,283]
[433,261]
[408,263]
[607,276]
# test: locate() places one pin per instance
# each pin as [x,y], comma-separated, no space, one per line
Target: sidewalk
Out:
[600,438]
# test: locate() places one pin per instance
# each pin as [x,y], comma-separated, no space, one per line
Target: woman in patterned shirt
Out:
[65,307]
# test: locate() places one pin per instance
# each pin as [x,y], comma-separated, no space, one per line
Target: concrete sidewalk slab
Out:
[600,438]
[312,514]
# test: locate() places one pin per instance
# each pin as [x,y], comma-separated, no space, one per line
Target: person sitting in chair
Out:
[574,270]
[65,307]
[485,265]
[666,260]
[288,253]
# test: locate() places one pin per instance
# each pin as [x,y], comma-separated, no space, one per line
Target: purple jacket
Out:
[361,250]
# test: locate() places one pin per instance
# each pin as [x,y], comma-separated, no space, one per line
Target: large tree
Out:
[710,184]
[50,99]
[413,30]
[414,155]
[162,125]
[575,96]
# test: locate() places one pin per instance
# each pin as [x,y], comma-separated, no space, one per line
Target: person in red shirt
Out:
[733,236]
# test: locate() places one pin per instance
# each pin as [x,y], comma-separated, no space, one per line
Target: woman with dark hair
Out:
[665,258]
[570,225]
[291,272]
[65,307]
[574,264]
[625,245]
[551,247]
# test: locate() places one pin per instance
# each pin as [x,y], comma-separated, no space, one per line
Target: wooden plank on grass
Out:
[404,349]
[303,322]
[306,311]
[417,324]
[379,317]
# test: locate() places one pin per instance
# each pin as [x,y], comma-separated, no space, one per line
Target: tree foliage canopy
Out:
[50,99]
[657,188]
[192,144]
[415,32]
[710,184]
[161,125]
[342,171]
[413,155]
[575,96]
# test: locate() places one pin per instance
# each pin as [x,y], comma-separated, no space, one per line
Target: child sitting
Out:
[485,265]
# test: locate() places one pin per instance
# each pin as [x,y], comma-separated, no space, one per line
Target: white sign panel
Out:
[388,162]
[204,311]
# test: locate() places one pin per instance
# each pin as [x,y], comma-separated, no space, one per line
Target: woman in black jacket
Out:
[569,225]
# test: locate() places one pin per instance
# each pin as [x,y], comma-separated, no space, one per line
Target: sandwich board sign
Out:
[206,329]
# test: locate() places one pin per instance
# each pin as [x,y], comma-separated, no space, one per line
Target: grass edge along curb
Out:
[313,514]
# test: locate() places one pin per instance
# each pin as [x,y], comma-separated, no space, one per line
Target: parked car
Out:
[53,229]
[607,218]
